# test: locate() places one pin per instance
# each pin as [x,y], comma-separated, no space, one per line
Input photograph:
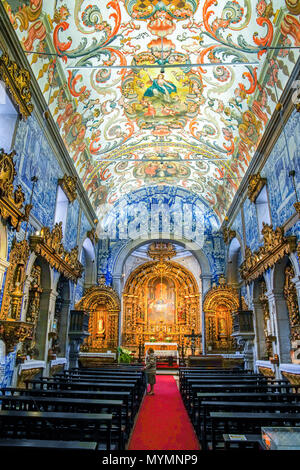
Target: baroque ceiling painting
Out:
[171,92]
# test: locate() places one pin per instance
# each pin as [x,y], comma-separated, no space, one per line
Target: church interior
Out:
[149,199]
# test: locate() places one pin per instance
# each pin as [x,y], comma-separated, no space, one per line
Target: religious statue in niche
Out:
[34,297]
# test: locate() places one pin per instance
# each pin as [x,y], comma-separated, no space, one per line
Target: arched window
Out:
[61,208]
[262,209]
[8,119]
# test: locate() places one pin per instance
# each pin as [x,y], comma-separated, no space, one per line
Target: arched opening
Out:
[160,304]
[219,303]
[262,320]
[38,305]
[286,308]
[234,262]
[87,259]
[61,317]
[103,306]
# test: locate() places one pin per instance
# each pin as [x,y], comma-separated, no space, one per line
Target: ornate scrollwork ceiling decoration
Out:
[49,245]
[11,201]
[17,81]
[275,246]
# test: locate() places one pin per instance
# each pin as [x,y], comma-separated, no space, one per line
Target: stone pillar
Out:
[258,324]
[279,325]
[206,285]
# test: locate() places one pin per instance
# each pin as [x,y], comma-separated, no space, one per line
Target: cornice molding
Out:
[10,43]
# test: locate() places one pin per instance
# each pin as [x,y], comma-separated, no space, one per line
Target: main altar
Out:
[163,350]
[160,302]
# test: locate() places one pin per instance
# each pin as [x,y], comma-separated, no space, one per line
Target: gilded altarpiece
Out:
[219,303]
[102,304]
[290,295]
[160,303]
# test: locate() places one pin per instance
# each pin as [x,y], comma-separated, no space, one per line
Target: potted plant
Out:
[125,356]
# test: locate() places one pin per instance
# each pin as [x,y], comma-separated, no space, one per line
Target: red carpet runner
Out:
[163,423]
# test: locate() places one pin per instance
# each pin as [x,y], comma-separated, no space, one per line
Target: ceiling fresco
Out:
[148,92]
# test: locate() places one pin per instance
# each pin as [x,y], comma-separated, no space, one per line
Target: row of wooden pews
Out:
[78,409]
[226,402]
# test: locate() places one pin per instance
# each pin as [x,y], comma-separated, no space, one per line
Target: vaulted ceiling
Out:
[148,92]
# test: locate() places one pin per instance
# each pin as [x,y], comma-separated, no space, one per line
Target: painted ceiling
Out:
[171,92]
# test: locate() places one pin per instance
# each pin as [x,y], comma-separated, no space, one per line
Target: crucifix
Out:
[193,338]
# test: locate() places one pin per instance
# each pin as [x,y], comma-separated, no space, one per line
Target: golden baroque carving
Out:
[275,246]
[14,332]
[161,251]
[27,374]
[11,201]
[293,6]
[266,372]
[256,183]
[219,303]
[91,234]
[15,277]
[49,245]
[68,185]
[103,305]
[294,379]
[297,204]
[228,235]
[290,294]
[17,81]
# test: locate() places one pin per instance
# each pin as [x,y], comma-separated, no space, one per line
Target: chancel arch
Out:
[102,304]
[219,303]
[160,301]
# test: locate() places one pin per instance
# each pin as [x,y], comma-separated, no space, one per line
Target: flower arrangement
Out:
[125,356]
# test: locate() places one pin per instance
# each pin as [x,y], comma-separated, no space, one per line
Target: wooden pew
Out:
[57,426]
[234,388]
[292,398]
[72,447]
[125,397]
[237,407]
[67,405]
[232,423]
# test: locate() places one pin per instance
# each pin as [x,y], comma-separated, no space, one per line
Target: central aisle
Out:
[163,423]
